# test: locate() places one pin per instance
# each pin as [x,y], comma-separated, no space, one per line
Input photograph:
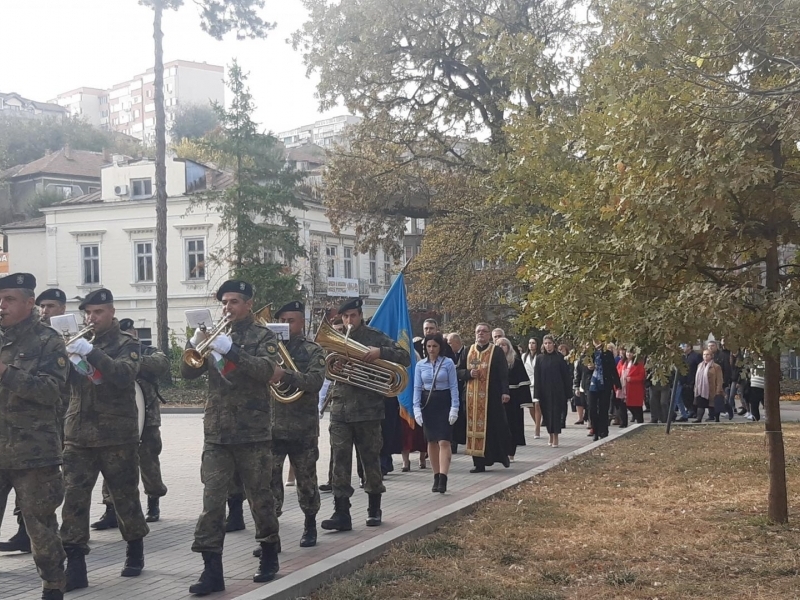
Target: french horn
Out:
[282,392]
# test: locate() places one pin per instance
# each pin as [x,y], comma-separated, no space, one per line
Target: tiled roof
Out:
[85,199]
[34,223]
[81,163]
[308,153]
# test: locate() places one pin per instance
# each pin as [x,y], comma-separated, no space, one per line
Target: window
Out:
[196,258]
[348,262]
[145,335]
[93,189]
[141,188]
[387,271]
[65,191]
[90,256]
[373,267]
[136,114]
[144,261]
[330,253]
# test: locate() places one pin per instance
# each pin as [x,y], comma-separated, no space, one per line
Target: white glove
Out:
[80,346]
[222,344]
[418,416]
[199,336]
[453,416]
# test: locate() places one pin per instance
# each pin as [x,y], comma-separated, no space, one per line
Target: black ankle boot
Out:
[108,520]
[76,569]
[235,520]
[51,594]
[268,563]
[19,542]
[435,487]
[442,483]
[340,521]
[211,579]
[309,537]
[134,558]
[374,510]
[153,510]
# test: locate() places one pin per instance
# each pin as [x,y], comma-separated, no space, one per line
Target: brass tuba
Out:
[194,357]
[345,362]
[282,392]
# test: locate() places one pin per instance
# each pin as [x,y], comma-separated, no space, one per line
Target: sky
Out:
[53,46]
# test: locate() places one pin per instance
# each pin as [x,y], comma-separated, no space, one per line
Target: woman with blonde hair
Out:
[519,388]
[707,385]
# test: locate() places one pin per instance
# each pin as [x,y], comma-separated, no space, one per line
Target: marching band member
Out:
[237,428]
[51,302]
[356,415]
[295,425]
[101,435]
[33,369]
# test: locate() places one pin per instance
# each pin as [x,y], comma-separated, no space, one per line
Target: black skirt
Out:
[436,415]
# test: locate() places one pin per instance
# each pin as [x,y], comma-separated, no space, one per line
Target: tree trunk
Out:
[778,510]
[162,318]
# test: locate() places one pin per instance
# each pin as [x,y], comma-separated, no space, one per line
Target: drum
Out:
[140,407]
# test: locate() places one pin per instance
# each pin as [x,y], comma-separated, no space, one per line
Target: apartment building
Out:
[324,133]
[16,106]
[129,107]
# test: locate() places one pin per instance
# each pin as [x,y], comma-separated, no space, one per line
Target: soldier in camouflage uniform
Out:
[101,435]
[33,369]
[153,366]
[237,430]
[295,426]
[356,416]
[51,302]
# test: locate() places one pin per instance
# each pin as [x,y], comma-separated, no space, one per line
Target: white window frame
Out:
[134,195]
[348,262]
[186,256]
[137,255]
[84,258]
[373,267]
[331,252]
[387,270]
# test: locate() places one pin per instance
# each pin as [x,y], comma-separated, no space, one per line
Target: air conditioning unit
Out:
[121,190]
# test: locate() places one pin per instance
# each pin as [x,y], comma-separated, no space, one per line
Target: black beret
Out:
[101,296]
[52,294]
[126,324]
[235,285]
[18,281]
[351,304]
[295,306]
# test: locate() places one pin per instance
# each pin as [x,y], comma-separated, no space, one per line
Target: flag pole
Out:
[405,266]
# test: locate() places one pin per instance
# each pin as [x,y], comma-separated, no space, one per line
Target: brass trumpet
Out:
[194,357]
[345,362]
[82,333]
[282,392]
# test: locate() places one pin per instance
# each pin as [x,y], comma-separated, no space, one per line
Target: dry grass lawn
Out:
[649,516]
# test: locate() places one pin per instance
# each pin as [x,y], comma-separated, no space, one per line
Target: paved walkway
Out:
[171,566]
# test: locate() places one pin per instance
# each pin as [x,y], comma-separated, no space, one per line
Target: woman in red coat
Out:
[632,375]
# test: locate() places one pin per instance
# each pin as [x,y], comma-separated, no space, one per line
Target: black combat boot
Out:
[153,511]
[50,594]
[211,579]
[442,483]
[435,487]
[374,510]
[235,520]
[340,521]
[257,551]
[134,558]
[76,569]
[108,520]
[309,537]
[19,542]
[267,564]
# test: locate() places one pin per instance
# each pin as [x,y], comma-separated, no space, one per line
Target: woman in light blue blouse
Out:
[436,406]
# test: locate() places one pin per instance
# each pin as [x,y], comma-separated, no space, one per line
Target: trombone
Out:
[194,357]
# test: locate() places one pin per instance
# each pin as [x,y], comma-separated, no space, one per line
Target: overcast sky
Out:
[53,46]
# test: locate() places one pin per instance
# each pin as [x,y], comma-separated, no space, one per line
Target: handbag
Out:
[433,384]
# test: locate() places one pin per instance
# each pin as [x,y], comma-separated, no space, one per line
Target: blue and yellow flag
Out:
[392,319]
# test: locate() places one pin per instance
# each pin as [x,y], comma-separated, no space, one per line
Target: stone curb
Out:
[308,579]
[181,410]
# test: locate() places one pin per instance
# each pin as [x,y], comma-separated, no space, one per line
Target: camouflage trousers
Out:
[149,464]
[303,456]
[219,463]
[39,492]
[120,468]
[367,438]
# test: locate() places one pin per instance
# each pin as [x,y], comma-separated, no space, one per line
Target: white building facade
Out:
[324,133]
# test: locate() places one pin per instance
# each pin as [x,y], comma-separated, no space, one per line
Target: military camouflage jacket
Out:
[153,366]
[352,404]
[300,419]
[238,405]
[30,394]
[105,414]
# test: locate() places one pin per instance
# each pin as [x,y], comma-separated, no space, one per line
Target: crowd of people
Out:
[68,413]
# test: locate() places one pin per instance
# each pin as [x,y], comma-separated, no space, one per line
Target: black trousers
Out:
[599,405]
[756,398]
[621,411]
[638,414]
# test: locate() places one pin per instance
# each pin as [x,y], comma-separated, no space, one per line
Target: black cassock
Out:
[520,390]
[552,386]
